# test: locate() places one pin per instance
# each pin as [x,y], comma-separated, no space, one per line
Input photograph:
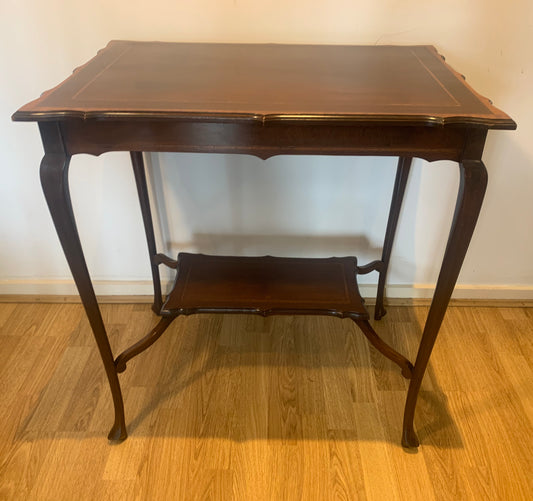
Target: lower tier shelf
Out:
[266,286]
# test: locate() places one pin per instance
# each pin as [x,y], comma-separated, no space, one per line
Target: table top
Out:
[267,83]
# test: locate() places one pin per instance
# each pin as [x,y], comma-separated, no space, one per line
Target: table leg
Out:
[473,183]
[144,200]
[402,174]
[54,181]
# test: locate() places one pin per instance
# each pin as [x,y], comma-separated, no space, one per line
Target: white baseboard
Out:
[461,291]
[66,287]
[45,287]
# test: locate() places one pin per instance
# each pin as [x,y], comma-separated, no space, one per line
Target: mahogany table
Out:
[266,100]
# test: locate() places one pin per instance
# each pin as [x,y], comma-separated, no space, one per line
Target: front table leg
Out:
[54,180]
[473,183]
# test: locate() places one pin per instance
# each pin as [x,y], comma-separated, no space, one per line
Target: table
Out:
[266,100]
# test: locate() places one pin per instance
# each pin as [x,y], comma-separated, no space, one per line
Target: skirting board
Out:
[122,291]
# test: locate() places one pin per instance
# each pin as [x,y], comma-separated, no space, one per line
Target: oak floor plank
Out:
[405,465]
[28,319]
[378,470]
[5,312]
[21,465]
[68,463]
[346,471]
[56,397]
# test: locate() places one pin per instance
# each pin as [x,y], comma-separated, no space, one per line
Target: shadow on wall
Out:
[283,245]
[302,206]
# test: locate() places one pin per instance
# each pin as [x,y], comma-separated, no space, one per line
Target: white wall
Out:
[286,205]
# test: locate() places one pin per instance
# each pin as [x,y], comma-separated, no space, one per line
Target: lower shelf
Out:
[265,285]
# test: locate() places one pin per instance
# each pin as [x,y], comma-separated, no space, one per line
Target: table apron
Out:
[267,140]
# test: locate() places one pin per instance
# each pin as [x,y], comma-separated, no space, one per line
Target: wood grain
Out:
[265,285]
[284,408]
[267,84]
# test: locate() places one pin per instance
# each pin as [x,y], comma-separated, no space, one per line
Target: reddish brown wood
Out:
[265,140]
[402,174]
[144,201]
[266,286]
[267,84]
[54,180]
[142,344]
[385,349]
[473,183]
[266,100]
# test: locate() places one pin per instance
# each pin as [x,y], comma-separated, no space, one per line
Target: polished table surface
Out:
[384,84]
[266,100]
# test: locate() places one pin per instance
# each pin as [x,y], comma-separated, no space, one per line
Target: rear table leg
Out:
[402,174]
[144,201]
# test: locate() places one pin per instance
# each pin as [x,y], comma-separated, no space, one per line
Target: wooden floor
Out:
[248,408]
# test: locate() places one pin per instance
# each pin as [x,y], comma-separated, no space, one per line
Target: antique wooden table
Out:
[266,100]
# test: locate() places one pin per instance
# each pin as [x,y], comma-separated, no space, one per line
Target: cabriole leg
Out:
[473,183]
[54,181]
